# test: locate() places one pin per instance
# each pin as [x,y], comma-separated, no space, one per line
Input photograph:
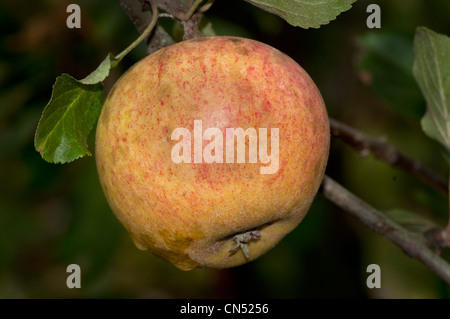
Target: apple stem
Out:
[143,35]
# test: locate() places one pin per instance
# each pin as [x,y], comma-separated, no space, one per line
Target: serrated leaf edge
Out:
[280,13]
[424,33]
[86,151]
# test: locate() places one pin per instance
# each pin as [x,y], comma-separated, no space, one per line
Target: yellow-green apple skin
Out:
[188,213]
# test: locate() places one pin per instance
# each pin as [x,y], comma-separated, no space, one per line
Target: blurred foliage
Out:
[432,72]
[305,14]
[55,215]
[388,60]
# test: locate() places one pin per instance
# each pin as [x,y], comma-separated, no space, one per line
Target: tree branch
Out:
[190,26]
[365,144]
[134,10]
[413,244]
[174,9]
[144,34]
[140,17]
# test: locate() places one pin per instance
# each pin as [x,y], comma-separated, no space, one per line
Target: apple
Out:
[211,150]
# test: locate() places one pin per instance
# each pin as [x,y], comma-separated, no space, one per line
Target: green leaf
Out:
[388,59]
[102,70]
[70,115]
[305,13]
[206,28]
[68,119]
[432,72]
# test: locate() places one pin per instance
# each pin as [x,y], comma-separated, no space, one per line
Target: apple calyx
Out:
[242,241]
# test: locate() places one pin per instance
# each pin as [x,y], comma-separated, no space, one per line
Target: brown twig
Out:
[140,17]
[413,244]
[175,9]
[134,10]
[190,26]
[144,34]
[366,144]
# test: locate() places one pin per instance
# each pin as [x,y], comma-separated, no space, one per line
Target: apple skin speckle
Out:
[188,213]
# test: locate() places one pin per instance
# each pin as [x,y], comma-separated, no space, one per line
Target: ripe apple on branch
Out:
[214,205]
[189,212]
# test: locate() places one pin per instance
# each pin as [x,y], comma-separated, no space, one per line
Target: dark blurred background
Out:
[55,215]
